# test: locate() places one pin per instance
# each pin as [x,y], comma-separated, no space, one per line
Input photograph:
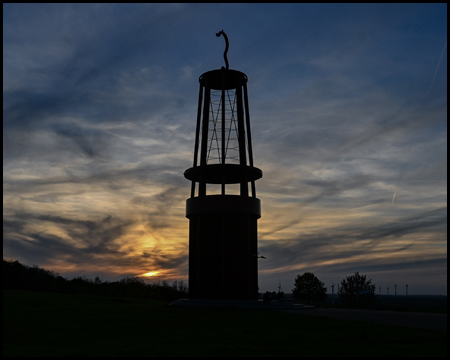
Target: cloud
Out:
[89,245]
[347,246]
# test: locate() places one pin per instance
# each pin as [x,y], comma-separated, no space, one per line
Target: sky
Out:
[348,105]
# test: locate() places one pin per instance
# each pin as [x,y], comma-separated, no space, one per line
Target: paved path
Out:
[410,319]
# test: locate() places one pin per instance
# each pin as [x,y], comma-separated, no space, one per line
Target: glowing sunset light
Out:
[151,273]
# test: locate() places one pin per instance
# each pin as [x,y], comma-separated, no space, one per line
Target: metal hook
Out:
[226,48]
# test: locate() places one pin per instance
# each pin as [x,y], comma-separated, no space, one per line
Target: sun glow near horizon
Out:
[151,273]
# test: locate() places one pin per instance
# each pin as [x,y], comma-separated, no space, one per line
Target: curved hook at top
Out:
[226,48]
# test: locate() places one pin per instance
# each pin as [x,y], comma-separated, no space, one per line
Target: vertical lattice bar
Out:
[223,133]
[241,129]
[197,133]
[241,138]
[249,136]
[202,183]
[223,125]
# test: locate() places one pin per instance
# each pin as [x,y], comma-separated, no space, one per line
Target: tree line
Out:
[17,276]
[354,291]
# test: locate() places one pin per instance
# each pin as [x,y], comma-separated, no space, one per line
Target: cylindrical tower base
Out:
[223,248]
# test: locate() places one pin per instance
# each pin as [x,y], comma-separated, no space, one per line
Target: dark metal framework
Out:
[223,134]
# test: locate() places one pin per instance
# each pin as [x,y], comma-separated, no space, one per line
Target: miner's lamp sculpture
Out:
[223,208]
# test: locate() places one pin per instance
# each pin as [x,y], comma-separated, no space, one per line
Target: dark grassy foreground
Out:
[49,324]
[412,303]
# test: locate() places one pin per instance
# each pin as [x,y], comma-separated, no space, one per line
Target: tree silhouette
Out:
[356,290]
[17,276]
[309,288]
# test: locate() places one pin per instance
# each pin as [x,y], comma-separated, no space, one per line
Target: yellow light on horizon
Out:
[151,273]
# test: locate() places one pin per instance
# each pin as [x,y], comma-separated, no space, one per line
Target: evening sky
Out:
[348,106]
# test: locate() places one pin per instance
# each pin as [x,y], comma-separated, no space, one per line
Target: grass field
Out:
[46,324]
[416,303]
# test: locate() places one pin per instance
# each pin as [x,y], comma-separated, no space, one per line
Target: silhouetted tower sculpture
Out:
[223,250]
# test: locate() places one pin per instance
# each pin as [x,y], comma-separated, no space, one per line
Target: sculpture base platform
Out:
[239,304]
